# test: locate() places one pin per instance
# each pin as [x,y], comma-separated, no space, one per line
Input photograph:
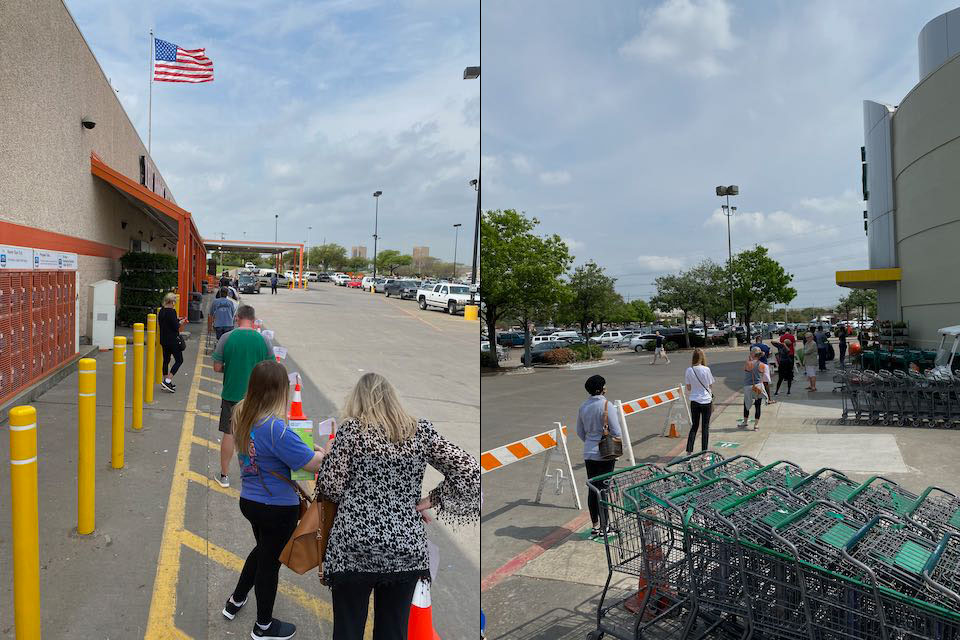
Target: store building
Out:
[911,160]
[78,189]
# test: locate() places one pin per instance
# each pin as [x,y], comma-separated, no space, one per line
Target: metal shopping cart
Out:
[782,473]
[696,462]
[825,484]
[938,510]
[736,467]
[882,495]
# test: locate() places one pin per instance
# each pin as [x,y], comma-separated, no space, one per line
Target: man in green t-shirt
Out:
[237,353]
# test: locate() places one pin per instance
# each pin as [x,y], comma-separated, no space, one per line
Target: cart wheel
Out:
[885,422]
[901,422]
[596,634]
[842,421]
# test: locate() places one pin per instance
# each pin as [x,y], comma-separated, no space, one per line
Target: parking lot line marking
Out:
[213,380]
[210,483]
[413,315]
[210,444]
[209,394]
[209,416]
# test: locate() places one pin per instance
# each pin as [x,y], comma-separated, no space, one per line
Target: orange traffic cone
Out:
[296,407]
[421,617]
[673,430]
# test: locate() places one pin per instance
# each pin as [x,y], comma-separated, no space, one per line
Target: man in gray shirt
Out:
[820,337]
[590,421]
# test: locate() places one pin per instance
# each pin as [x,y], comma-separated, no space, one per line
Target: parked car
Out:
[311,276]
[452,297]
[340,279]
[249,265]
[367,282]
[640,342]
[563,335]
[266,274]
[608,338]
[510,339]
[538,350]
[485,347]
[248,283]
[380,284]
[535,340]
[323,277]
[354,283]
[402,289]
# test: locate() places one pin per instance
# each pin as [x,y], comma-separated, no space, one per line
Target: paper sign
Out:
[280,352]
[325,430]
[304,429]
[68,261]
[19,258]
[46,260]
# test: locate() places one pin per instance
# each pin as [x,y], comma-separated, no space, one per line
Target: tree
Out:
[844,307]
[357,264]
[708,282]
[759,280]
[328,255]
[589,295]
[680,291]
[642,312]
[866,300]
[391,260]
[521,270]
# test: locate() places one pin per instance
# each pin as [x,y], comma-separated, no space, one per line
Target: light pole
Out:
[376,219]
[456,242]
[308,247]
[728,211]
[472,73]
[276,224]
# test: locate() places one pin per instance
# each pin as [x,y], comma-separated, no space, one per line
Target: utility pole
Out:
[722,191]
[376,219]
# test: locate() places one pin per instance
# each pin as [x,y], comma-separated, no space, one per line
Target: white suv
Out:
[610,337]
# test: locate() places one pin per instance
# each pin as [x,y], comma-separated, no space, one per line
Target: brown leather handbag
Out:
[307,546]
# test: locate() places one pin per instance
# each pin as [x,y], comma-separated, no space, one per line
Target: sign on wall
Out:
[26,259]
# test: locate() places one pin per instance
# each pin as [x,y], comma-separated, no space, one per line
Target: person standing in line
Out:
[659,351]
[267,452]
[785,366]
[222,311]
[785,336]
[169,326]
[699,381]
[753,390]
[237,353]
[842,337]
[594,413]
[809,361]
[273,283]
[225,279]
[374,473]
[765,359]
[820,337]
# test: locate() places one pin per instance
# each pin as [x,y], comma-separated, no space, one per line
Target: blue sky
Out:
[613,123]
[314,106]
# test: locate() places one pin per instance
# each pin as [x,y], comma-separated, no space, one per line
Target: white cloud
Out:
[658,264]
[768,224]
[554,178]
[572,244]
[521,163]
[848,204]
[688,34]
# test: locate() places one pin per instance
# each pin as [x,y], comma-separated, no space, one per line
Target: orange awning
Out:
[191,255]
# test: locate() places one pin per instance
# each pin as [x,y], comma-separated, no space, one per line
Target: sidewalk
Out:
[566,580]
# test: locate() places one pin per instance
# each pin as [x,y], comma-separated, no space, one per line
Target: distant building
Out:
[358,252]
[419,253]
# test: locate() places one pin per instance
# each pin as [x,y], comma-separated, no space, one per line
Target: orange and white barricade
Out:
[674,397]
[547,442]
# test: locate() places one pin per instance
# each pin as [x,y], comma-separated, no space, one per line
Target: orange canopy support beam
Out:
[190,250]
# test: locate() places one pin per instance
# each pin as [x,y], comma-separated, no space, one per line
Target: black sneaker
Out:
[277,631]
[168,386]
[230,610]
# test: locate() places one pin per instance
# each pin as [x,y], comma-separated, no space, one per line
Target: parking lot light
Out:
[376,218]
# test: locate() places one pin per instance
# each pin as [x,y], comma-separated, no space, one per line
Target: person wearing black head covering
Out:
[590,430]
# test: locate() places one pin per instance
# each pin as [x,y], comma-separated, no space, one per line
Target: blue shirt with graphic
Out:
[275,448]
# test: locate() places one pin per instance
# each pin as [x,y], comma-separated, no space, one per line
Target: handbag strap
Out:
[699,380]
[606,430]
[296,487]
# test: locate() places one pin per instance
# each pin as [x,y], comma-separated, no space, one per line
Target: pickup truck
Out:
[452,297]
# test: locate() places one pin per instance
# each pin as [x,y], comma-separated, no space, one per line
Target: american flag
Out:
[175,64]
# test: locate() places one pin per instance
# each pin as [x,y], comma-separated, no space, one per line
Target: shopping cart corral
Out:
[733,548]
[903,398]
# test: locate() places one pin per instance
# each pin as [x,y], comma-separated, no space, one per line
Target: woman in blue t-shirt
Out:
[268,451]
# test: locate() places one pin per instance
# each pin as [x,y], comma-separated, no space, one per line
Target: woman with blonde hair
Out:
[169,326]
[699,381]
[810,354]
[269,499]
[374,473]
[753,390]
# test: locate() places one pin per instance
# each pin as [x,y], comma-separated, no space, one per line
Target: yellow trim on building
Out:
[867,278]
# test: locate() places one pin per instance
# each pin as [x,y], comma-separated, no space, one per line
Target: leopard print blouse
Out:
[376,485]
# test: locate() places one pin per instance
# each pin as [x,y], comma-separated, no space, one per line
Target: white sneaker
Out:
[222,480]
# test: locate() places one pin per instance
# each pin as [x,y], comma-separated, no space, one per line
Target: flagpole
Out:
[150,107]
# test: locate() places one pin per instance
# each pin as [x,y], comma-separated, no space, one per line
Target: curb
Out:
[589,365]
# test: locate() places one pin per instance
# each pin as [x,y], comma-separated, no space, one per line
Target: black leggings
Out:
[756,407]
[699,412]
[272,527]
[177,359]
[596,468]
[785,376]
[391,608]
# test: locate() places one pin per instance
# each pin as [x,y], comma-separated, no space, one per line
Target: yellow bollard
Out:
[471,312]
[138,376]
[119,400]
[151,357]
[86,444]
[159,372]
[26,522]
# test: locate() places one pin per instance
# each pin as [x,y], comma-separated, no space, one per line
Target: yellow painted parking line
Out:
[213,380]
[210,444]
[207,366]
[415,316]
[209,394]
[209,416]
[210,483]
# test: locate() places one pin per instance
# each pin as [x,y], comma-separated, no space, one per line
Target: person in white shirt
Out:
[699,381]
